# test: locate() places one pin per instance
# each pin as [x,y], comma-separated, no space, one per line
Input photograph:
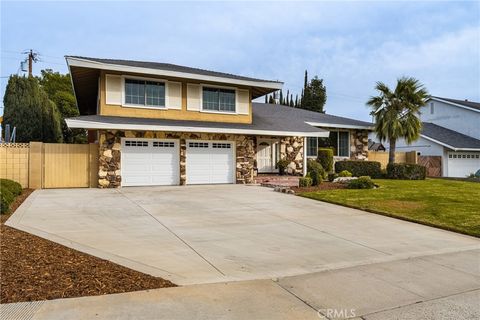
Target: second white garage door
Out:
[150,162]
[210,162]
[461,164]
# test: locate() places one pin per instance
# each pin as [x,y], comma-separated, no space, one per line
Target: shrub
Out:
[325,158]
[305,181]
[315,171]
[360,168]
[345,173]
[282,165]
[406,171]
[6,199]
[14,187]
[363,182]
[332,176]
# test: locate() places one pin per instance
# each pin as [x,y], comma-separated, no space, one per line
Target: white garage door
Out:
[461,164]
[210,162]
[150,162]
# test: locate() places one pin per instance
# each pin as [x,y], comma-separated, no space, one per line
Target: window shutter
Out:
[174,95]
[113,89]
[243,101]
[193,97]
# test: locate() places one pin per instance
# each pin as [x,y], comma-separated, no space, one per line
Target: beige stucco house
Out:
[163,124]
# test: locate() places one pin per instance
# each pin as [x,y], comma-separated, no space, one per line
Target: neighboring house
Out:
[451,130]
[163,124]
[375,146]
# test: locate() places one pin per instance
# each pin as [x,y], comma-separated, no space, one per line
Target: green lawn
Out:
[452,205]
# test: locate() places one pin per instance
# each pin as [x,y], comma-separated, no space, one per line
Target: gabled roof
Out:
[461,103]
[169,67]
[449,138]
[316,119]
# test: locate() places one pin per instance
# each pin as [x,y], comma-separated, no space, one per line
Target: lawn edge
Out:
[392,215]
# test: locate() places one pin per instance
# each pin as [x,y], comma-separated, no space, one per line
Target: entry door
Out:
[265,156]
[150,162]
[210,162]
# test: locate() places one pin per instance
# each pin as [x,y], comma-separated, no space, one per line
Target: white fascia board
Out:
[341,126]
[449,146]
[453,104]
[77,62]
[82,124]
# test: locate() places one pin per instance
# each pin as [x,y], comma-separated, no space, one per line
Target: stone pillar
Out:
[109,175]
[291,148]
[183,167]
[359,145]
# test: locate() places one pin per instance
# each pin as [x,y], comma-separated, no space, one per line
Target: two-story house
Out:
[451,130]
[164,124]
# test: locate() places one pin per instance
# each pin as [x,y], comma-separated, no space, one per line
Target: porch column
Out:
[304,156]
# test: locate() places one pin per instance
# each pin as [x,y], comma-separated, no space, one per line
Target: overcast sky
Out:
[351,45]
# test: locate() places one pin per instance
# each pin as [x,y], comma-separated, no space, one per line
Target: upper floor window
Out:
[432,108]
[144,93]
[216,99]
[339,141]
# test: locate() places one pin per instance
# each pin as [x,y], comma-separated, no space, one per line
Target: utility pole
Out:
[32,57]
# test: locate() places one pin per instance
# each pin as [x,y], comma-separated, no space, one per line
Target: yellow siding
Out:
[180,114]
[400,157]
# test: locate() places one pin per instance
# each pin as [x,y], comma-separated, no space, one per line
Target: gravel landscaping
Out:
[33,269]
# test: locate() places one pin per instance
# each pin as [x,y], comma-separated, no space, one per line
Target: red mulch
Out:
[33,268]
[320,187]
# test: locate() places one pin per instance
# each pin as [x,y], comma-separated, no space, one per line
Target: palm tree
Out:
[397,112]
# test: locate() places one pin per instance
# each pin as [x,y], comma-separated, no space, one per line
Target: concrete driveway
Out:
[209,234]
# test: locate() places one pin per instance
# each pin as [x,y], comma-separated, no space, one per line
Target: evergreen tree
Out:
[296,101]
[287,102]
[315,95]
[271,100]
[281,97]
[27,107]
[291,104]
[59,89]
[266,98]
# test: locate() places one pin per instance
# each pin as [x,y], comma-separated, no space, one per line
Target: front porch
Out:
[272,180]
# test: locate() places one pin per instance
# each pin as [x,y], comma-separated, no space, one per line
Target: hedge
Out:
[315,171]
[14,187]
[406,171]
[9,189]
[360,168]
[305,182]
[325,158]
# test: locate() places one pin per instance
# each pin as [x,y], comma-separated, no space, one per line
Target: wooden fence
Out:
[400,157]
[50,165]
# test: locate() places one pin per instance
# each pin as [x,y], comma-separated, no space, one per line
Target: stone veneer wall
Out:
[359,144]
[291,148]
[109,175]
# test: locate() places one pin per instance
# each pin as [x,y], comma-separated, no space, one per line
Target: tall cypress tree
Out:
[280,100]
[266,98]
[291,104]
[28,108]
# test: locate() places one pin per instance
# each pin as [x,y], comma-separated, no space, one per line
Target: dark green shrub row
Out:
[325,158]
[360,168]
[406,171]
[315,171]
[363,182]
[8,191]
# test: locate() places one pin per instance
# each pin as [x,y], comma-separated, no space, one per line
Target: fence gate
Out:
[433,165]
[69,165]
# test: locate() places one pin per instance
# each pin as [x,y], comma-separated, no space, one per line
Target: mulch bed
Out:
[33,269]
[320,187]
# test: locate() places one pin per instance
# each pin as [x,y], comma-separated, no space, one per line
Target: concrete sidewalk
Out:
[437,287]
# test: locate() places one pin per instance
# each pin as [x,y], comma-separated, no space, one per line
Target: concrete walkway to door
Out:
[218,233]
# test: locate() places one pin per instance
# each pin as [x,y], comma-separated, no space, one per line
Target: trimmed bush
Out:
[345,173]
[315,171]
[282,166]
[360,168]
[363,182]
[305,181]
[406,171]
[325,158]
[14,187]
[6,199]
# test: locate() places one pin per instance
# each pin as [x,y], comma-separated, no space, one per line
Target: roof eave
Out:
[337,125]
[447,145]
[79,62]
[453,104]
[97,125]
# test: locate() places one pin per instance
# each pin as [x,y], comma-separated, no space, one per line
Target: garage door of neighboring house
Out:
[461,164]
[210,162]
[150,162]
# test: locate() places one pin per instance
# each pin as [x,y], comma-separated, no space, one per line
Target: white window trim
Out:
[140,106]
[338,143]
[219,87]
